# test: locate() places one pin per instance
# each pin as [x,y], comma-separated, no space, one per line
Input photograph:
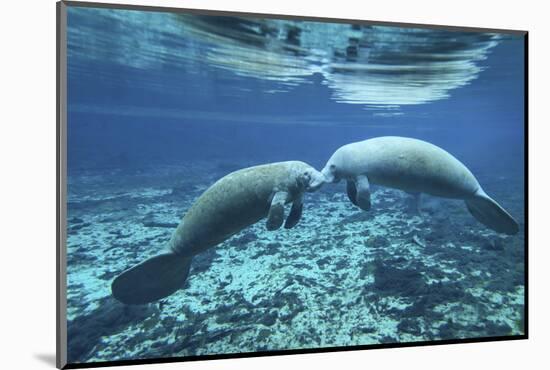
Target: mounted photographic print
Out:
[235,184]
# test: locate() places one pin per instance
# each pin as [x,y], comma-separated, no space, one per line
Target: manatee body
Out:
[414,166]
[233,203]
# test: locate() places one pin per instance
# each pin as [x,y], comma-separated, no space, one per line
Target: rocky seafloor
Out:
[341,277]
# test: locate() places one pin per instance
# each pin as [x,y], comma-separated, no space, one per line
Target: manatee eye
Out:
[332,167]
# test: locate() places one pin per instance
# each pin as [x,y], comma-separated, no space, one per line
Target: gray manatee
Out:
[414,166]
[234,202]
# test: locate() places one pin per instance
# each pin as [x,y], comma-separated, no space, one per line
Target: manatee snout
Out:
[329,173]
[315,180]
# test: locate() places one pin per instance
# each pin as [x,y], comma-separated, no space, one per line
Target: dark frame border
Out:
[150,8]
[61,186]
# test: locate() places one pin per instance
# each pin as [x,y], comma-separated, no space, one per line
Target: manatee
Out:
[414,166]
[233,203]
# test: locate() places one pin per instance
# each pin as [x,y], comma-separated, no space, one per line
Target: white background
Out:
[27,88]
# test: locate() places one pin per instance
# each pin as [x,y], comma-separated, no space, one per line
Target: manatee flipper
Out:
[276,213]
[491,214]
[352,191]
[152,279]
[363,192]
[295,213]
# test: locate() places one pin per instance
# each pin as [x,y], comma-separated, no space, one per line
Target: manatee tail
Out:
[491,214]
[152,279]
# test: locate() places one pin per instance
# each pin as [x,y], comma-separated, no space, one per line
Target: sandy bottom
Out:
[341,277]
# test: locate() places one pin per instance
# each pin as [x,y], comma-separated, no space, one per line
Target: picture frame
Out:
[290,45]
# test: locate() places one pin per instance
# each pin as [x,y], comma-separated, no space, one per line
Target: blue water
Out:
[162,105]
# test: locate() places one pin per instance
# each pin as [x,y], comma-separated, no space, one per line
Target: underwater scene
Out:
[240,184]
